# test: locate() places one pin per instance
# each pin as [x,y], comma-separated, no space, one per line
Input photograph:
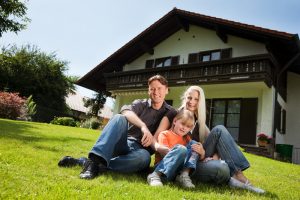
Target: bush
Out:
[65,121]
[91,123]
[11,105]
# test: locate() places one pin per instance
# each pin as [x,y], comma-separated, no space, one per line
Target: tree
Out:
[13,16]
[97,103]
[29,71]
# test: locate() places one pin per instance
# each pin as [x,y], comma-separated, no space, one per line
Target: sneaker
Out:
[185,181]
[68,161]
[154,179]
[90,170]
[248,186]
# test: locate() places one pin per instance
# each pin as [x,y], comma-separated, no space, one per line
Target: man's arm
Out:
[147,137]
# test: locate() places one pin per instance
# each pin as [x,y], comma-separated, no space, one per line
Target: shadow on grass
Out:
[200,187]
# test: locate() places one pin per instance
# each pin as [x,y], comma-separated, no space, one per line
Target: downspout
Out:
[291,61]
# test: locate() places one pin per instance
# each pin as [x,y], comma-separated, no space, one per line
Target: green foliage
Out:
[11,105]
[30,107]
[13,16]
[29,71]
[91,123]
[65,121]
[97,102]
[30,153]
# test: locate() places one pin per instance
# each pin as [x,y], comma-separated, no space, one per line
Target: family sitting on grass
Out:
[186,151]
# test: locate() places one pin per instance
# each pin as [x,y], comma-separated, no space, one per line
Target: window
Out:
[206,56]
[227,112]
[162,62]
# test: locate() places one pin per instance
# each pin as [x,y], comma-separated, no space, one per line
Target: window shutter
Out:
[149,64]
[226,53]
[193,58]
[175,60]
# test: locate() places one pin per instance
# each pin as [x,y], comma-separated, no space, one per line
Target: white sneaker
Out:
[185,181]
[154,179]
[238,184]
[250,187]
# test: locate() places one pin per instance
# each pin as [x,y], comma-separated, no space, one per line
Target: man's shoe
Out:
[68,161]
[154,179]
[185,181]
[90,170]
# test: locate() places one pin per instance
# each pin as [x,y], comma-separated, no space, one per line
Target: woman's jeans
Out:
[120,154]
[178,158]
[220,141]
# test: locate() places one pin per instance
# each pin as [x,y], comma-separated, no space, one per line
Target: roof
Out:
[283,45]
[75,102]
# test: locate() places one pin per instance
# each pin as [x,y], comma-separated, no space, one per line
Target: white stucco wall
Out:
[197,39]
[292,135]
[235,90]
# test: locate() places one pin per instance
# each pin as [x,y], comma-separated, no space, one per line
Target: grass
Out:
[29,153]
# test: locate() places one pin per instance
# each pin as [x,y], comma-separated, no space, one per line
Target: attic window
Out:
[206,56]
[162,62]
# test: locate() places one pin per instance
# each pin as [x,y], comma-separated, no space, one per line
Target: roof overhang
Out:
[281,44]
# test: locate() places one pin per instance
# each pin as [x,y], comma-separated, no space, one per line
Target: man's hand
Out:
[147,136]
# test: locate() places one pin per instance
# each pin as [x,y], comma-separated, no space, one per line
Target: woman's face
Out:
[192,100]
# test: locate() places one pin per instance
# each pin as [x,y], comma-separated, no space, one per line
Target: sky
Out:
[84,33]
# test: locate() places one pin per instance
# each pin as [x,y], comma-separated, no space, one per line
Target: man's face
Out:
[157,92]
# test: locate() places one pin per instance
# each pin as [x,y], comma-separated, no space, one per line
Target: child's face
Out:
[180,128]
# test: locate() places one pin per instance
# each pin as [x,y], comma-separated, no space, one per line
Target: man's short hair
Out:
[159,78]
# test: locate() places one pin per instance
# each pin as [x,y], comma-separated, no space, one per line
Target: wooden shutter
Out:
[149,64]
[226,53]
[248,118]
[193,58]
[175,60]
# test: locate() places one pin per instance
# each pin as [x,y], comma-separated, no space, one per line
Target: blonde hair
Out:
[187,118]
[201,109]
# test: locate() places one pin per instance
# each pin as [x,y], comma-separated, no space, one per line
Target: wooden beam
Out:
[146,48]
[221,34]
[184,24]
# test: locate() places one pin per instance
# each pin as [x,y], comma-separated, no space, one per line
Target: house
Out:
[79,111]
[250,74]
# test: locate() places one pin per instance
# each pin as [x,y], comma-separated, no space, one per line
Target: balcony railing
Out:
[243,69]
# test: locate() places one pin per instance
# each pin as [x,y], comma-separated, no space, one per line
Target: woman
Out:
[218,144]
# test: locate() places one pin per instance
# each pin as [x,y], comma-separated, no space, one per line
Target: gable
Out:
[197,39]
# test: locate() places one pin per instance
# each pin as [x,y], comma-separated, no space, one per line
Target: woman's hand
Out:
[199,149]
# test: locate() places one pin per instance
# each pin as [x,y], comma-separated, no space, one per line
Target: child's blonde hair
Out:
[187,117]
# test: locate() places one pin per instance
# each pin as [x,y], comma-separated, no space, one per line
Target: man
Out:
[124,144]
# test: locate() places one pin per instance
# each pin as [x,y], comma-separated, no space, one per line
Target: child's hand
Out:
[199,149]
[163,150]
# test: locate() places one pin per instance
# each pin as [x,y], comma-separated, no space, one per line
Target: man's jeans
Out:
[178,158]
[219,140]
[120,154]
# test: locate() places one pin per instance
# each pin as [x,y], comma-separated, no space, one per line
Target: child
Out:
[180,157]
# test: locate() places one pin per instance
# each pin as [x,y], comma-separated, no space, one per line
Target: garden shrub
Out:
[91,123]
[11,105]
[65,121]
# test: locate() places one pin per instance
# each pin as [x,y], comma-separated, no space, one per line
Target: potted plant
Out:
[263,140]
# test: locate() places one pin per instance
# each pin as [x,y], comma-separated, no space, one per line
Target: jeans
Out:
[120,154]
[178,158]
[219,140]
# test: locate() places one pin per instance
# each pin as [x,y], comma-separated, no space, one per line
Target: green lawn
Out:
[29,153]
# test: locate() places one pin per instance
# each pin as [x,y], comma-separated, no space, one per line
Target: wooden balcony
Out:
[242,69]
